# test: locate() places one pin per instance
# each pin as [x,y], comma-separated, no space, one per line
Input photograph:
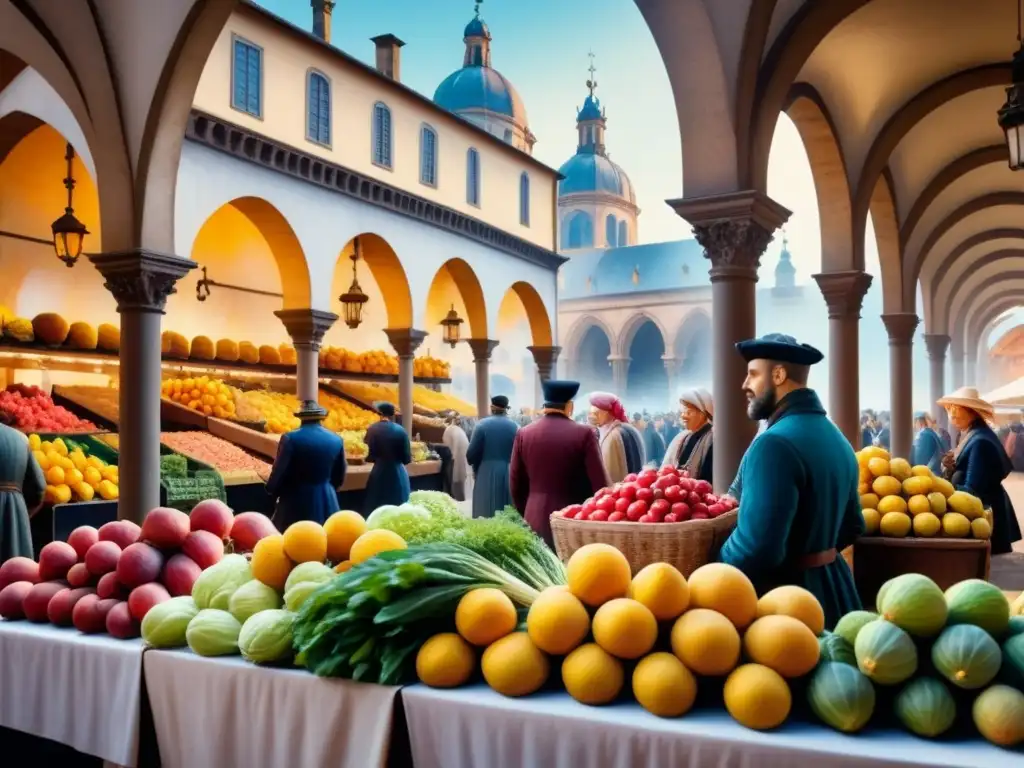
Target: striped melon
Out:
[885,653]
[841,696]
[980,603]
[833,647]
[1013,660]
[851,624]
[926,707]
[967,656]
[914,603]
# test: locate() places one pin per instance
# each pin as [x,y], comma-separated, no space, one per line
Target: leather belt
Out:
[817,559]
[10,488]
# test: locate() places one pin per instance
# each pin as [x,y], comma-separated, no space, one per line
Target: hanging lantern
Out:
[68,232]
[353,299]
[451,324]
[1011,115]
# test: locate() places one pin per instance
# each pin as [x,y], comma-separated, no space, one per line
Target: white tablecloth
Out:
[81,690]
[475,726]
[217,712]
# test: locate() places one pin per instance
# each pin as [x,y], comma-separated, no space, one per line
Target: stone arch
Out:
[691,348]
[943,295]
[647,380]
[887,237]
[986,306]
[625,338]
[578,331]
[975,285]
[987,236]
[541,332]
[809,114]
[457,276]
[912,270]
[967,162]
[377,255]
[592,368]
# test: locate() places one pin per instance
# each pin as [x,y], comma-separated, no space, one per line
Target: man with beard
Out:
[799,506]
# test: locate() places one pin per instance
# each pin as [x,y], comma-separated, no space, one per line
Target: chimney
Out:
[322,18]
[389,56]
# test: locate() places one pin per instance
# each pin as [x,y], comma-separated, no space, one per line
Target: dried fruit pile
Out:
[219,454]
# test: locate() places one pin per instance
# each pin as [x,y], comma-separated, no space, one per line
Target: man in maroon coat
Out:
[555,461]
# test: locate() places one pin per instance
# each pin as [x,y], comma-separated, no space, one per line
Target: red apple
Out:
[686,484]
[681,511]
[165,528]
[646,480]
[636,510]
[645,495]
[102,557]
[700,508]
[628,491]
[145,597]
[714,510]
[616,517]
[109,587]
[19,569]
[666,481]
[659,493]
[671,518]
[213,516]
[572,510]
[621,505]
[204,548]
[55,560]
[646,519]
[606,505]
[630,478]
[139,564]
[668,471]
[124,533]
[600,515]
[673,493]
[703,487]
[661,506]
[694,498]
[601,494]
[83,537]
[710,498]
[179,574]
[79,576]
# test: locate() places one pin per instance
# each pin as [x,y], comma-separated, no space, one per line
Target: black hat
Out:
[311,410]
[558,392]
[780,347]
[385,408]
[499,401]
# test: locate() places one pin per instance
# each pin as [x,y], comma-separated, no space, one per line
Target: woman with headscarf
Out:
[693,448]
[622,447]
[979,463]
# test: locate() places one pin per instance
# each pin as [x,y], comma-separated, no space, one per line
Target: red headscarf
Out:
[606,401]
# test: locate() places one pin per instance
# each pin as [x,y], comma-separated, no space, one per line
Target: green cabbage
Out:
[266,637]
[318,573]
[213,633]
[165,624]
[215,585]
[296,596]
[252,597]
[435,502]
[379,517]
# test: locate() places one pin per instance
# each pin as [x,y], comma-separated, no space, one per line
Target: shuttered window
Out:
[428,156]
[473,177]
[318,109]
[247,78]
[382,139]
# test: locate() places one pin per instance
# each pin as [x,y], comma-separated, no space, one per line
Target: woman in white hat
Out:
[979,463]
[693,448]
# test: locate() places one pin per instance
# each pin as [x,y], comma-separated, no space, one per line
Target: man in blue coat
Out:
[489,454]
[309,467]
[390,452]
[799,506]
[927,448]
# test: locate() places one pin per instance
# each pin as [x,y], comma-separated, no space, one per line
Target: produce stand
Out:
[946,561]
[83,691]
[476,726]
[211,712]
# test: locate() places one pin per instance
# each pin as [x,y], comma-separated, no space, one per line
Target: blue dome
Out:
[591,110]
[590,172]
[477,28]
[480,88]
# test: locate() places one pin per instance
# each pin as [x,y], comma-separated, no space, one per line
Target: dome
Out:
[477,28]
[667,266]
[591,110]
[476,87]
[592,172]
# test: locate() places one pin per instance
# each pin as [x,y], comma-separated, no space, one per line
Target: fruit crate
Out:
[946,561]
[91,446]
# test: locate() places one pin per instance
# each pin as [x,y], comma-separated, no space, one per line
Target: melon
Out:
[880,595]
[978,602]
[793,601]
[1016,626]
[850,625]
[926,707]
[841,696]
[885,653]
[967,656]
[999,715]
[914,603]
[1013,660]
[783,644]
[833,647]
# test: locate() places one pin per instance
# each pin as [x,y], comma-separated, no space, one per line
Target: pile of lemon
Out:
[898,500]
[208,396]
[72,475]
[671,631]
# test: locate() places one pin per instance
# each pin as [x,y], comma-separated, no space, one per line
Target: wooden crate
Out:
[946,561]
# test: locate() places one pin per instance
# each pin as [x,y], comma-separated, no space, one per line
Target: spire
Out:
[590,119]
[785,272]
[478,41]
[592,82]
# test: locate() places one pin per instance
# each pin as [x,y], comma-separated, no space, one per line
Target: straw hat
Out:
[968,397]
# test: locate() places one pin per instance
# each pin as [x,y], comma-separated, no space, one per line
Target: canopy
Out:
[1011,394]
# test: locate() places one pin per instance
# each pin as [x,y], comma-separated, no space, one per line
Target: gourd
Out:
[248,353]
[50,328]
[980,603]
[108,337]
[227,350]
[269,355]
[82,336]
[202,348]
[915,604]
[926,707]
[967,656]
[841,696]
[19,329]
[833,647]
[173,344]
[851,624]
[999,715]
[885,653]
[1013,660]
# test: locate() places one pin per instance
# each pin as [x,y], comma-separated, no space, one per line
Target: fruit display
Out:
[102,401]
[223,456]
[71,473]
[422,398]
[278,410]
[34,411]
[440,402]
[207,395]
[380,362]
[355,444]
[898,500]
[667,495]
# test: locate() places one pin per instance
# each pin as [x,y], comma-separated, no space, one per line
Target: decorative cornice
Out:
[249,146]
[405,340]
[844,292]
[141,280]
[482,349]
[572,199]
[937,345]
[307,326]
[901,327]
[545,358]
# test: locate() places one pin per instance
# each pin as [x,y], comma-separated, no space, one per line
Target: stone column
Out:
[405,342]
[307,328]
[620,374]
[546,358]
[937,344]
[671,367]
[901,327]
[844,295]
[956,353]
[482,349]
[734,229]
[140,281]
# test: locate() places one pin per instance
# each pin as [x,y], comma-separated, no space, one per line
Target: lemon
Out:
[55,475]
[878,467]
[41,460]
[374,542]
[597,573]
[892,504]
[663,685]
[625,628]
[956,525]
[938,503]
[484,615]
[919,470]
[305,542]
[663,589]
[445,661]
[895,524]
[706,642]
[900,469]
[886,486]
[34,442]
[757,697]
[84,491]
[591,675]
[62,494]
[871,521]
[981,528]
[557,622]
[73,477]
[919,505]
[926,524]
[514,666]
[342,529]
[869,501]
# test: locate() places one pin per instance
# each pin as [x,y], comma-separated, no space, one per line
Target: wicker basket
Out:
[687,545]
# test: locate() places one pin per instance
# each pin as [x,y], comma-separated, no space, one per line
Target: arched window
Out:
[473,177]
[611,231]
[578,231]
[382,138]
[247,77]
[524,199]
[428,156]
[318,108]
[623,233]
[477,57]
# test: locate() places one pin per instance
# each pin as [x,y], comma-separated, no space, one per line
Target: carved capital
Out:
[405,340]
[545,358]
[482,349]
[844,292]
[901,327]
[141,280]
[937,345]
[307,326]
